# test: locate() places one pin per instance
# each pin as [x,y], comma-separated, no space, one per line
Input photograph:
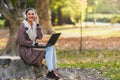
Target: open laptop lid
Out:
[53,39]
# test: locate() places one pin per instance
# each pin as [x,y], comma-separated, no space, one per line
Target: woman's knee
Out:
[48,49]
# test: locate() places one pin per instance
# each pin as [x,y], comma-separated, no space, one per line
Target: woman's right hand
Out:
[41,44]
[36,18]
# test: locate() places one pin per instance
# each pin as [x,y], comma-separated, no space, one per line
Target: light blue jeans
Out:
[50,57]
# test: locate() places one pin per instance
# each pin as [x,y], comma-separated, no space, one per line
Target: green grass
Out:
[90,31]
[109,69]
[2,23]
[106,60]
[109,63]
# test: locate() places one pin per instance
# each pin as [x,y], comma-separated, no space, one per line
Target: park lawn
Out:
[102,31]
[106,60]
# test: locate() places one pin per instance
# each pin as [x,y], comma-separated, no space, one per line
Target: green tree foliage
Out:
[68,9]
[109,6]
[78,8]
[101,12]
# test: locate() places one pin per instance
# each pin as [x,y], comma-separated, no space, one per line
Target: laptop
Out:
[51,41]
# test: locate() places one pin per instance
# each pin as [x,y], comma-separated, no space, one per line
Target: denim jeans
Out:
[50,57]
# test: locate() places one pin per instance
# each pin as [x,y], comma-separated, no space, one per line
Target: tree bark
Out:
[11,47]
[44,13]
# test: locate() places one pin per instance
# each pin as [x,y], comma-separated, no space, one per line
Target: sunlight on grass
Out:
[2,22]
[72,31]
[114,34]
[3,42]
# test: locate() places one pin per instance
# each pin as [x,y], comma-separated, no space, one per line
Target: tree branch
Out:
[8,4]
[1,3]
[6,13]
[21,4]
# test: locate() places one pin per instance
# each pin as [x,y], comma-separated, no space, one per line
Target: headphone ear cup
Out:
[24,15]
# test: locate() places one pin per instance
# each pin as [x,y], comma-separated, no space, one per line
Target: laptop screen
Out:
[53,39]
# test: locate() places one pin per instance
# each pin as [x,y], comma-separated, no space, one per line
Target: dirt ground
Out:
[89,43]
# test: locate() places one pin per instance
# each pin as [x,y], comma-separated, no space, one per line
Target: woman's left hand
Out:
[36,18]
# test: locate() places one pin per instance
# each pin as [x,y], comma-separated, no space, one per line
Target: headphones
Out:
[26,11]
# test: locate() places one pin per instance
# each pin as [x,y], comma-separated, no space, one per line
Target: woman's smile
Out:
[31,15]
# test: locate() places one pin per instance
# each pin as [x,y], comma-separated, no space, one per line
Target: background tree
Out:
[56,7]
[13,15]
[66,11]
[44,13]
[109,6]
[78,9]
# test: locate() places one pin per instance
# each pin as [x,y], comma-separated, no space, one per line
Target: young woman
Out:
[28,32]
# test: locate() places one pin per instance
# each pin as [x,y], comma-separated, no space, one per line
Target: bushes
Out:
[115,19]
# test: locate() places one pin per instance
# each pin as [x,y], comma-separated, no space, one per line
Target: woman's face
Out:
[30,16]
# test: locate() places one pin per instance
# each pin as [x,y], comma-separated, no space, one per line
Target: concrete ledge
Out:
[10,57]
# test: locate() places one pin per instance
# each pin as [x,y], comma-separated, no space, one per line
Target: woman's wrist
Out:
[37,22]
[38,25]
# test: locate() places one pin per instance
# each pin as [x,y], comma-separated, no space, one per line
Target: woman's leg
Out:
[51,58]
[48,57]
[51,62]
[54,58]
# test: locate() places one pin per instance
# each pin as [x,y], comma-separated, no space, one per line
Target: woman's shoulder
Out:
[22,26]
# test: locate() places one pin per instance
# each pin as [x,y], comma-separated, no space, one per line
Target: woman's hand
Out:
[41,44]
[36,18]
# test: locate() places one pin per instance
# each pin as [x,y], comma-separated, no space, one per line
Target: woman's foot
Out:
[52,75]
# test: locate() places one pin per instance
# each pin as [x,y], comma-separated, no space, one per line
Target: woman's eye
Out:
[30,14]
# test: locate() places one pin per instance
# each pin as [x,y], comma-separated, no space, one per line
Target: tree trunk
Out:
[11,47]
[44,13]
[13,16]
[59,16]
